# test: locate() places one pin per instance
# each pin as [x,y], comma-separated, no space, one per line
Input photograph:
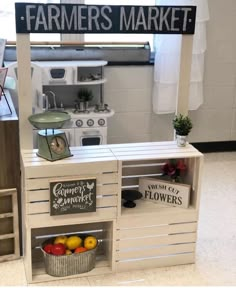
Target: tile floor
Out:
[216,249]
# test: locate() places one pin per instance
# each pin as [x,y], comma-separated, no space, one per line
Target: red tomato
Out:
[48,248]
[58,249]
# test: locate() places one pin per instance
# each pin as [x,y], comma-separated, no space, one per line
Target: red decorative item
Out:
[174,169]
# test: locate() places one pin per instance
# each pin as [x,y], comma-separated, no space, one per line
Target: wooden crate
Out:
[9,226]
[38,177]
[103,230]
[149,235]
[152,234]
[96,162]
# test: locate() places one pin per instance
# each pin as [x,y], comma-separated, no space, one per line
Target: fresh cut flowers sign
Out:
[164,192]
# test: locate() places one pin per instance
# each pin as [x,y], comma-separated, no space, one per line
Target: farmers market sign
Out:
[72,196]
[164,192]
[79,18]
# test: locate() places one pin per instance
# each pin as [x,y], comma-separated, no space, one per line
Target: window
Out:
[7,17]
[120,37]
[7,21]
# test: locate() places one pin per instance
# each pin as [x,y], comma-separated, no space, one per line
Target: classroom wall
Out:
[129,90]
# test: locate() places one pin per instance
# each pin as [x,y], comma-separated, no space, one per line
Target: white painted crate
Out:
[167,233]
[154,235]
[99,163]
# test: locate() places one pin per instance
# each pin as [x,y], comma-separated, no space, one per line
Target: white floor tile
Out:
[12,273]
[69,282]
[133,278]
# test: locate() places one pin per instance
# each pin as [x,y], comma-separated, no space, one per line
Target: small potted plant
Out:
[182,125]
[84,95]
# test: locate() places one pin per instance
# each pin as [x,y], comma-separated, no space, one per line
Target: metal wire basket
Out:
[65,265]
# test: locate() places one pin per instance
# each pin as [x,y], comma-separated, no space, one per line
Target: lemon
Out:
[90,242]
[73,242]
[60,239]
[68,252]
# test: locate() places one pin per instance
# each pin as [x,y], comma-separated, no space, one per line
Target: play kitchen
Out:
[75,88]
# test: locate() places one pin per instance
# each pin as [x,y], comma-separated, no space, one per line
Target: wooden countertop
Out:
[114,152]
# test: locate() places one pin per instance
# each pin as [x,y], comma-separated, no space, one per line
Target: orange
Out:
[80,249]
[90,242]
[73,242]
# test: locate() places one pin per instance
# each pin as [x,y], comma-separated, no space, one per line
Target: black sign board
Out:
[79,18]
[72,196]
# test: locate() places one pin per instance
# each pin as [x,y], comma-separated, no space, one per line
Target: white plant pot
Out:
[181,140]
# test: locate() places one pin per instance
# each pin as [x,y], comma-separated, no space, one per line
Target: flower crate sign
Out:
[164,192]
[72,196]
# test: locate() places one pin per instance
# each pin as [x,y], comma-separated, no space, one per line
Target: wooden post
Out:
[24,89]
[184,75]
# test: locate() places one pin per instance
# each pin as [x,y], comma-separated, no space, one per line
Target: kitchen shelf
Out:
[93,82]
[146,208]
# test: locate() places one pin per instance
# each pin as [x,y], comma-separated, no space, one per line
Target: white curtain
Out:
[167,61]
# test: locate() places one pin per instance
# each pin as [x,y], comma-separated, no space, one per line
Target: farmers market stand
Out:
[149,235]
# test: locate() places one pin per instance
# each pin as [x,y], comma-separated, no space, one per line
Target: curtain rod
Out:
[71,43]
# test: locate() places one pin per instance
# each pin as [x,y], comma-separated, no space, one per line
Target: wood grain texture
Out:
[9,227]
[10,165]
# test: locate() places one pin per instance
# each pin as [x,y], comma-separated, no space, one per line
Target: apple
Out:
[48,248]
[58,249]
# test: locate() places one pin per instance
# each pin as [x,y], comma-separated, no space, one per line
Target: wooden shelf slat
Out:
[7,236]
[6,215]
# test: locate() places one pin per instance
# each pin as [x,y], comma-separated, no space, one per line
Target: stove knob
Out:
[101,122]
[79,123]
[90,122]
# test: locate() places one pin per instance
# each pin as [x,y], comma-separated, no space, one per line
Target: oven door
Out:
[88,136]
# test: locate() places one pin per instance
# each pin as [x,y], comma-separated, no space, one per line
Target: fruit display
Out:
[67,245]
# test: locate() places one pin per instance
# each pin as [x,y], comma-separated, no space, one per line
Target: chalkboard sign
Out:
[79,18]
[72,196]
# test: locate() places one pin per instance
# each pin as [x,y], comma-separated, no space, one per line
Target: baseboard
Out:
[223,146]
